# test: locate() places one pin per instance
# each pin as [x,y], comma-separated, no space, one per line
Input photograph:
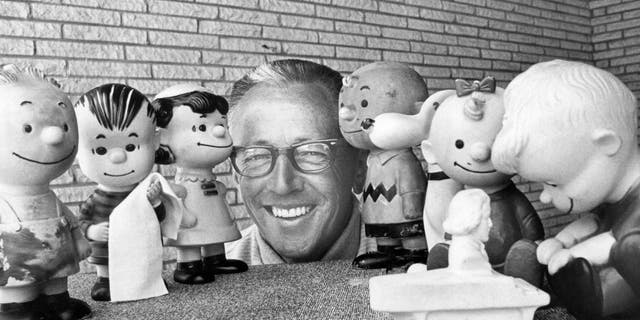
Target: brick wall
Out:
[152,44]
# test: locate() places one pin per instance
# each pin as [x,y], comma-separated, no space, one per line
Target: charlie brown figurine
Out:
[573,127]
[40,239]
[394,188]
[195,136]
[116,150]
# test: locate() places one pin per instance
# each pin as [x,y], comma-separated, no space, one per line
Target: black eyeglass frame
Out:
[333,144]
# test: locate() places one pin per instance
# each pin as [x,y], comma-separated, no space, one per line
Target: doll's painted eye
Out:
[459,144]
[65,127]
[202,127]
[101,150]
[130,147]
[193,128]
[364,103]
[27,128]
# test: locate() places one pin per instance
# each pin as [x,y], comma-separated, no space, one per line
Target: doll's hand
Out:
[83,248]
[547,249]
[559,260]
[98,232]
[153,193]
[188,220]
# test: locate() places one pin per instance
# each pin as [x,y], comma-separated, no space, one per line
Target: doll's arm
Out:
[573,233]
[154,193]
[596,250]
[82,245]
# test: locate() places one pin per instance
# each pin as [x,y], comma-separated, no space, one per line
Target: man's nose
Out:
[347,112]
[284,178]
[117,155]
[480,152]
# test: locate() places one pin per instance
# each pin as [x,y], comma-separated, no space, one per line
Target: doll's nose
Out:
[347,112]
[545,196]
[219,131]
[117,155]
[480,152]
[52,135]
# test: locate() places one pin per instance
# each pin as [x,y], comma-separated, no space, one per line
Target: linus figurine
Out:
[393,194]
[573,127]
[195,136]
[40,239]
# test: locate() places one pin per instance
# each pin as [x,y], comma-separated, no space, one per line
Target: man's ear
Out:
[607,141]
[427,151]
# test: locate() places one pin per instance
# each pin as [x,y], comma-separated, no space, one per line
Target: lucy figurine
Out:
[194,136]
[573,127]
[117,146]
[40,239]
[393,195]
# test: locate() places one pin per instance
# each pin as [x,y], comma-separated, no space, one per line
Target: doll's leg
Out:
[617,295]
[578,286]
[216,262]
[521,262]
[384,257]
[55,298]
[415,249]
[100,290]
[189,269]
[19,302]
[625,255]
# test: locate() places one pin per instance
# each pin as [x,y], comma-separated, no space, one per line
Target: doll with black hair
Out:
[194,136]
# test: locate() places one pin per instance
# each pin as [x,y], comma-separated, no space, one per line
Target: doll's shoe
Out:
[191,273]
[438,256]
[375,260]
[219,264]
[625,255]
[20,311]
[409,257]
[577,284]
[100,290]
[62,307]
[521,262]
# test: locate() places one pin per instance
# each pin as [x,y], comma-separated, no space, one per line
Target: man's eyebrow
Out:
[365,87]
[101,136]
[133,134]
[25,102]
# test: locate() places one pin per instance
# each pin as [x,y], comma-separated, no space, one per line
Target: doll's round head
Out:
[469,214]
[117,135]
[573,127]
[461,136]
[377,88]
[38,128]
[194,126]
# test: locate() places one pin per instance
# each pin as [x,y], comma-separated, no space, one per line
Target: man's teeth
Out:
[290,213]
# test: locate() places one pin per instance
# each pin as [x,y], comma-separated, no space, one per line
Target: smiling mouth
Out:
[455,163]
[119,175]
[213,146]
[43,162]
[354,131]
[289,213]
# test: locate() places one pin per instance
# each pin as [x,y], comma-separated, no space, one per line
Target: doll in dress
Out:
[116,150]
[194,136]
[40,238]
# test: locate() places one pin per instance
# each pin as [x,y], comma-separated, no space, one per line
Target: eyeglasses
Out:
[307,157]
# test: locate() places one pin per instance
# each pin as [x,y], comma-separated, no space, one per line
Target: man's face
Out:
[322,201]
[116,158]
[39,133]
[197,140]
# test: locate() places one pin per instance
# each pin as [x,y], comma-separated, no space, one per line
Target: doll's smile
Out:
[200,144]
[455,163]
[354,131]
[289,213]
[43,162]
[119,175]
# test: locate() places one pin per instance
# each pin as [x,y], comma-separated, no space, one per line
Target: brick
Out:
[560,53]
[358,28]
[574,27]
[535,31]
[342,39]
[475,63]
[151,87]
[51,67]
[465,74]
[179,39]
[308,49]
[427,47]
[382,43]
[542,4]
[357,4]
[399,9]
[492,35]
[464,51]
[501,45]
[76,14]
[385,19]
[287,7]
[504,6]
[623,43]
[191,10]
[435,4]
[79,50]
[233,74]
[570,45]
[221,88]
[461,30]
[435,60]
[526,10]
[473,42]
[548,23]
[289,34]
[14,9]
[530,49]
[152,21]
[625,60]
[622,25]
[319,1]
[578,37]
[521,38]
[495,54]
[519,18]
[631,15]
[102,33]
[463,8]
[505,65]
[502,26]
[425,25]
[490,13]
[147,53]
[113,69]
[606,19]
[306,23]
[166,71]
[407,57]
[439,38]
[477,3]
[398,33]
[343,66]
[234,3]
[599,12]
[358,53]
[433,72]
[602,3]
[608,36]
[435,84]
[229,28]
[339,13]
[121,5]
[554,33]
[548,42]
[250,45]
[474,21]
[624,7]
[437,15]
[249,16]
[22,28]
[600,46]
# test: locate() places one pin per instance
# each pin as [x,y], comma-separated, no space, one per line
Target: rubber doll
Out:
[40,238]
[393,194]
[116,150]
[573,127]
[194,136]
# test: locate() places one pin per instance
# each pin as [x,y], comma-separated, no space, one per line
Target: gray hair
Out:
[12,73]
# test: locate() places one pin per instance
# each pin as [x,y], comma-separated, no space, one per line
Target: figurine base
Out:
[445,294]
